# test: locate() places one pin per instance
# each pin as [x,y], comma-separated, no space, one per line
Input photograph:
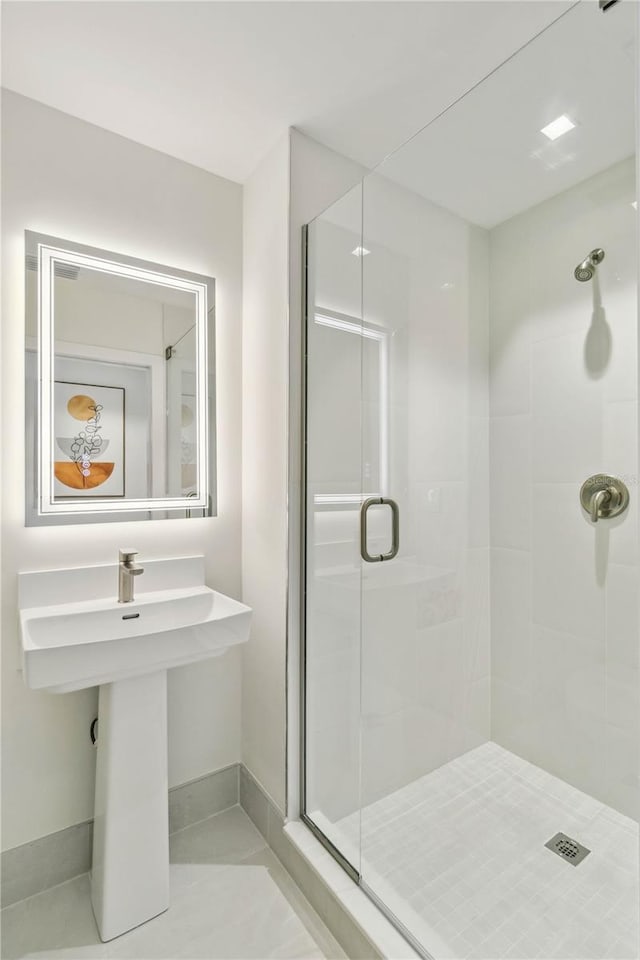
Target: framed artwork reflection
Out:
[88,440]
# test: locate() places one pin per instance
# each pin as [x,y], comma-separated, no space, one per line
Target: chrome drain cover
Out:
[567,848]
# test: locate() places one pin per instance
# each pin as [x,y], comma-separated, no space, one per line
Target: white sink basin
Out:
[70,646]
[126,649]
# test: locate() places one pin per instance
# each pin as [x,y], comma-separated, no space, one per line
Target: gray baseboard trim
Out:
[198,799]
[58,857]
[270,822]
[45,862]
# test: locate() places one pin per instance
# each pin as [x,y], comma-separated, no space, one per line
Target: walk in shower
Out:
[471,699]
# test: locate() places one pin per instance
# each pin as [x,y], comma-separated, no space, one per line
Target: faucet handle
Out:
[604,497]
[126,554]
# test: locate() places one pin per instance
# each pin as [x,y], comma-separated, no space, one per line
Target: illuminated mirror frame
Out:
[49,252]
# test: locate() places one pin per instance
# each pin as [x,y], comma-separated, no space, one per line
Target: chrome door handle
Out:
[395,529]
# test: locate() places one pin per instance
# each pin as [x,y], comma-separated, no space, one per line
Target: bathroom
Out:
[355,287]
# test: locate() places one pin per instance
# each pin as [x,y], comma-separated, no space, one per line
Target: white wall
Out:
[64,177]
[319,176]
[563,407]
[264,467]
[292,184]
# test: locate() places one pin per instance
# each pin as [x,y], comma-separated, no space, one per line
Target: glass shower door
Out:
[425,630]
[500,701]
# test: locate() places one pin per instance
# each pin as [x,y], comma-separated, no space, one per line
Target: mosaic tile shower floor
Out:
[460,854]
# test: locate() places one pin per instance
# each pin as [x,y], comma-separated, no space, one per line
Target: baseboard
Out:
[33,867]
[201,798]
[58,857]
[271,823]
[45,862]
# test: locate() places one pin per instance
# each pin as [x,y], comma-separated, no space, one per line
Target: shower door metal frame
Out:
[315,829]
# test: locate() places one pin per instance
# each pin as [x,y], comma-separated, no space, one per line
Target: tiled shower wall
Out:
[564,594]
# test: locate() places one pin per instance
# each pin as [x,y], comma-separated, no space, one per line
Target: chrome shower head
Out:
[585,270]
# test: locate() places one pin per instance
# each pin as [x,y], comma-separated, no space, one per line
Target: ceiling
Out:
[217,83]
[486,159]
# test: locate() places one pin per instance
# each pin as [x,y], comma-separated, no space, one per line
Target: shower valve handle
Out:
[604,497]
[599,500]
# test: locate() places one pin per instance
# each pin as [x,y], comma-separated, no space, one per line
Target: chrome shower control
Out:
[604,497]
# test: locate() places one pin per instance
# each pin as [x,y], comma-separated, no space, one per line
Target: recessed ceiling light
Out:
[634,204]
[557,127]
[360,252]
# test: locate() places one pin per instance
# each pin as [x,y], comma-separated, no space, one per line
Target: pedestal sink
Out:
[75,634]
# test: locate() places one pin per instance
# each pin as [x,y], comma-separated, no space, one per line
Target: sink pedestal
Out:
[130,873]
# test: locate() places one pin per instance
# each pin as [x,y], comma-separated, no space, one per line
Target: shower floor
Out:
[459,857]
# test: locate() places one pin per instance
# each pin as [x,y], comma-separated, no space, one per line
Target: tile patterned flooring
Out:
[459,856]
[230,897]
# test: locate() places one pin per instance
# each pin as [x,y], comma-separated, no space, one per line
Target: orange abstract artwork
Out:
[72,476]
[86,466]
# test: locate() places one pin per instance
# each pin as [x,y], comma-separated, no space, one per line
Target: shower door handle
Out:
[395,529]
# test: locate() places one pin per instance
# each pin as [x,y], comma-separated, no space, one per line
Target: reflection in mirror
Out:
[118,390]
[340,342]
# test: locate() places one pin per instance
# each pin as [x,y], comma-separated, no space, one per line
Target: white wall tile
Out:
[622,703]
[621,782]
[510,339]
[623,621]
[511,482]
[479,513]
[511,713]
[621,314]
[561,382]
[620,441]
[567,446]
[511,656]
[621,460]
[565,690]
[477,613]
[568,591]
[510,373]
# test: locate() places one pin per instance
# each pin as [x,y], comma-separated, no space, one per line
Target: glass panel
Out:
[425,651]
[182,414]
[333,497]
[500,693]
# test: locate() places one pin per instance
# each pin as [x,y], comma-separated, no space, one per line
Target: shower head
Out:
[585,270]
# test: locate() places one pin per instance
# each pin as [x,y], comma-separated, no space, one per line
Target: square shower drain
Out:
[567,848]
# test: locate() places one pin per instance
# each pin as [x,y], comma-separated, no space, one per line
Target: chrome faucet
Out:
[127,570]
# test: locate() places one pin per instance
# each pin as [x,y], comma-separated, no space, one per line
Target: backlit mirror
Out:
[119,386]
